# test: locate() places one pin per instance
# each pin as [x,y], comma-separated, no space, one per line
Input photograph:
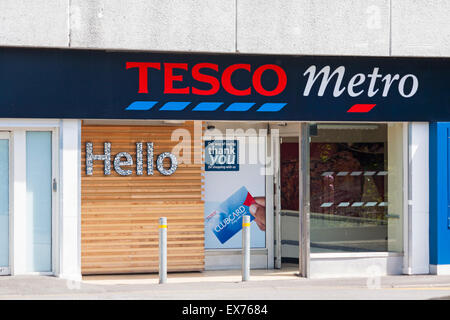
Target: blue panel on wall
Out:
[448,177]
[439,226]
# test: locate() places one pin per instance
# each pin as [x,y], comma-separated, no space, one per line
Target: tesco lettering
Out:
[175,72]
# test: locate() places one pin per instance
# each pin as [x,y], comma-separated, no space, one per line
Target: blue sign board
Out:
[97,84]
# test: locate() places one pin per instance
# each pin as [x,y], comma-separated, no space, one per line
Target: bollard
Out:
[162,250]
[245,248]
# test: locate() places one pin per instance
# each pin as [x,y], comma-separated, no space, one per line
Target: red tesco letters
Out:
[212,81]
[143,73]
[175,73]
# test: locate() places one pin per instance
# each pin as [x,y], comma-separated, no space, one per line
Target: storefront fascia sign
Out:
[118,162]
[95,84]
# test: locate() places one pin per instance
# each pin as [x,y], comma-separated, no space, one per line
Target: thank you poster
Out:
[221,155]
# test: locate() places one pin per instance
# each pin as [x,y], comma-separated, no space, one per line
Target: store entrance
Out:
[289,201]
[286,148]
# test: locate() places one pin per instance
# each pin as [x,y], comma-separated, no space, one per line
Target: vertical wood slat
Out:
[119,218]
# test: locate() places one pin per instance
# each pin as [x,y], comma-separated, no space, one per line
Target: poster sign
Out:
[232,193]
[226,220]
[221,155]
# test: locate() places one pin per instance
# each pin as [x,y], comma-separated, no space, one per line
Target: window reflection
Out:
[348,189]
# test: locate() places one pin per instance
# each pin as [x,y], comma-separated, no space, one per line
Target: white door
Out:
[4,203]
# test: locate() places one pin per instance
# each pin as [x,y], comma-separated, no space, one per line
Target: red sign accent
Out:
[361,108]
[249,200]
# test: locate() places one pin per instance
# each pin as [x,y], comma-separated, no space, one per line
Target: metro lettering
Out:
[358,80]
[325,72]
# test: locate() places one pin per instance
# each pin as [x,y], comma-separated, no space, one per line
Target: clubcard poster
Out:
[231,194]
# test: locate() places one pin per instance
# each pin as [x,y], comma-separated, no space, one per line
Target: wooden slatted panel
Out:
[119,219]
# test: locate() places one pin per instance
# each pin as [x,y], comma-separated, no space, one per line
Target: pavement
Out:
[225,285]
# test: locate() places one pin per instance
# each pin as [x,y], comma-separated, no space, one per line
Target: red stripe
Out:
[361,108]
[249,200]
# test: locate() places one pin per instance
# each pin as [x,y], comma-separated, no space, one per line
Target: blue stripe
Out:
[174,106]
[240,106]
[271,107]
[207,106]
[141,105]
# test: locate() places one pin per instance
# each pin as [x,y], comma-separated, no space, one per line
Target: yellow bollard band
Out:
[163,226]
[246,224]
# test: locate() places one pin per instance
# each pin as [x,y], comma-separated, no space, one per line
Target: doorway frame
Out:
[299,130]
[55,197]
[304,202]
[17,129]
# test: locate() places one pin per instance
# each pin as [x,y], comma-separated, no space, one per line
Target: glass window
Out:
[4,203]
[39,201]
[356,188]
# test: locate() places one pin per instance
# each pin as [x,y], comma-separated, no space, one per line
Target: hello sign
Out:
[125,159]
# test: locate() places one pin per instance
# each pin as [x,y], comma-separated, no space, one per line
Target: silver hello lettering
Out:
[119,162]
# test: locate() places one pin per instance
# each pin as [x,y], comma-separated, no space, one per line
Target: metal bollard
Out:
[162,250]
[245,248]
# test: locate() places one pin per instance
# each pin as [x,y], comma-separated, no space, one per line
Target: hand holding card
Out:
[258,210]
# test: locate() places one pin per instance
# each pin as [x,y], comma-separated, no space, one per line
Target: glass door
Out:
[4,203]
[356,188]
[39,201]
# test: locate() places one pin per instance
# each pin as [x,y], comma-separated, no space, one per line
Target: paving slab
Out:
[223,285]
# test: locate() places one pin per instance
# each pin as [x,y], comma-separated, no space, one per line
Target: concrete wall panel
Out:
[320,27]
[421,28]
[34,23]
[190,25]
[315,27]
